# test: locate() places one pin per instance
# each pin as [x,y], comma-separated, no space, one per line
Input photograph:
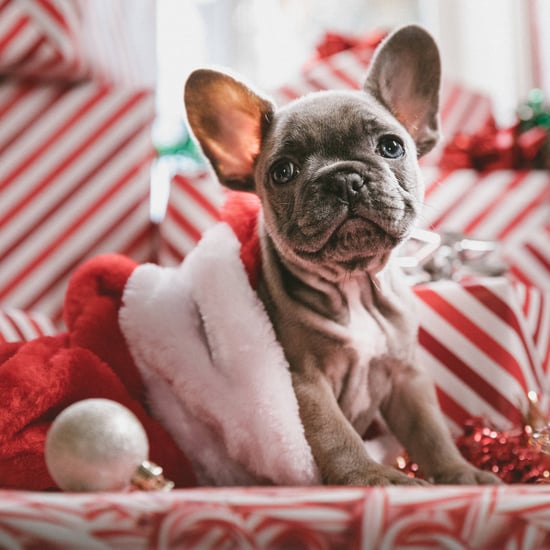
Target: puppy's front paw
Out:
[380,475]
[466,475]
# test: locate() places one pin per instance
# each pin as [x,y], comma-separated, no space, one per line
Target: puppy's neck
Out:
[323,290]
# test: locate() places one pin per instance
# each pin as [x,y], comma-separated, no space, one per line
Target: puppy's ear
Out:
[405,76]
[229,120]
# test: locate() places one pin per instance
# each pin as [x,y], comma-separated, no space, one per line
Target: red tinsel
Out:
[511,455]
[514,456]
[495,148]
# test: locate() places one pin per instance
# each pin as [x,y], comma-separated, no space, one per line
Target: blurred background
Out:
[493,46]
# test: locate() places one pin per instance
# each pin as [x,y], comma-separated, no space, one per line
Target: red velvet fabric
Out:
[38,379]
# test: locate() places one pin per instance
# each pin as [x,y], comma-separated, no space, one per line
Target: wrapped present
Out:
[40,39]
[327,517]
[508,206]
[194,206]
[73,40]
[485,342]
[341,63]
[75,182]
[17,325]
[76,103]
[483,354]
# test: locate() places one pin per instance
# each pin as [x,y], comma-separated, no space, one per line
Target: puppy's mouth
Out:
[357,241]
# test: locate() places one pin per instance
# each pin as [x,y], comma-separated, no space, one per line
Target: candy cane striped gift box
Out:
[462,110]
[74,183]
[476,517]
[511,207]
[17,325]
[74,39]
[535,305]
[485,343]
[193,207]
[40,38]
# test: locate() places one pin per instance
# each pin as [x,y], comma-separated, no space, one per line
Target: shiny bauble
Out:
[95,445]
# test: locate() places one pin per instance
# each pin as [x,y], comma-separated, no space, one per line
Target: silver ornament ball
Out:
[95,445]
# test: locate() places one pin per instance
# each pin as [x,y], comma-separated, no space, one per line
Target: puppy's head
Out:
[336,172]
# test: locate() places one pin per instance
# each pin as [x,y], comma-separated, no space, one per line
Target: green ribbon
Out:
[535,111]
[181,145]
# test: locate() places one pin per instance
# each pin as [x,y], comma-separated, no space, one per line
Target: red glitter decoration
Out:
[495,148]
[515,456]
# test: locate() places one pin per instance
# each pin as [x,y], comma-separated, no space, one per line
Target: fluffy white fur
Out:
[215,374]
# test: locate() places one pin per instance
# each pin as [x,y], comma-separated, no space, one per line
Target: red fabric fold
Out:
[38,379]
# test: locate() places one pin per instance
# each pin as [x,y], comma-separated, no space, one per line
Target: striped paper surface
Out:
[511,207]
[486,345]
[22,326]
[70,40]
[74,183]
[39,38]
[484,518]
[193,207]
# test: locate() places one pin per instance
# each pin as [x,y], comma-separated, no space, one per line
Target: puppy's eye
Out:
[390,147]
[284,171]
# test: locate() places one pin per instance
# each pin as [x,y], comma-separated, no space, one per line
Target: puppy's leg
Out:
[413,414]
[337,448]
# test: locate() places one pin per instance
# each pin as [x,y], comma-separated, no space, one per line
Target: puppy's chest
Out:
[369,334]
[372,330]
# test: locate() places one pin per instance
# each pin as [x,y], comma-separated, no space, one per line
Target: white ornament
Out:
[95,445]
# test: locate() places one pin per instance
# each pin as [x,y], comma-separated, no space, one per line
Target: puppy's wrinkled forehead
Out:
[330,123]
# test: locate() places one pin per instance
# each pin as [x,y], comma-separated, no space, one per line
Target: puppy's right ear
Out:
[229,121]
[405,76]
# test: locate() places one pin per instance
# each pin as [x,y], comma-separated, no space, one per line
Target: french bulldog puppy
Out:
[339,183]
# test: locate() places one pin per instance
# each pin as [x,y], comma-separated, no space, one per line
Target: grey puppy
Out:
[339,183]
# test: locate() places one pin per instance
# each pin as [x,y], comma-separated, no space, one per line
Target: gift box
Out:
[19,326]
[485,343]
[194,205]
[76,107]
[511,207]
[75,182]
[58,40]
[41,37]
[328,517]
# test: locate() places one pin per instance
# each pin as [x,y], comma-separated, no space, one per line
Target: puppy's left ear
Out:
[229,121]
[405,76]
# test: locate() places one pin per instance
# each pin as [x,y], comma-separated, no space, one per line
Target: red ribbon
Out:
[495,148]
[333,43]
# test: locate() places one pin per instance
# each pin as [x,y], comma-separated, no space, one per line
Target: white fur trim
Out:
[215,374]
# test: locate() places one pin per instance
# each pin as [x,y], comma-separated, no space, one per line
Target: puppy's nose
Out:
[348,185]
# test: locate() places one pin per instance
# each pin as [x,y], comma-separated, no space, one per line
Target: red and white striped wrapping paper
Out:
[535,305]
[511,207]
[462,110]
[22,326]
[74,39]
[74,183]
[193,207]
[481,518]
[40,38]
[485,342]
